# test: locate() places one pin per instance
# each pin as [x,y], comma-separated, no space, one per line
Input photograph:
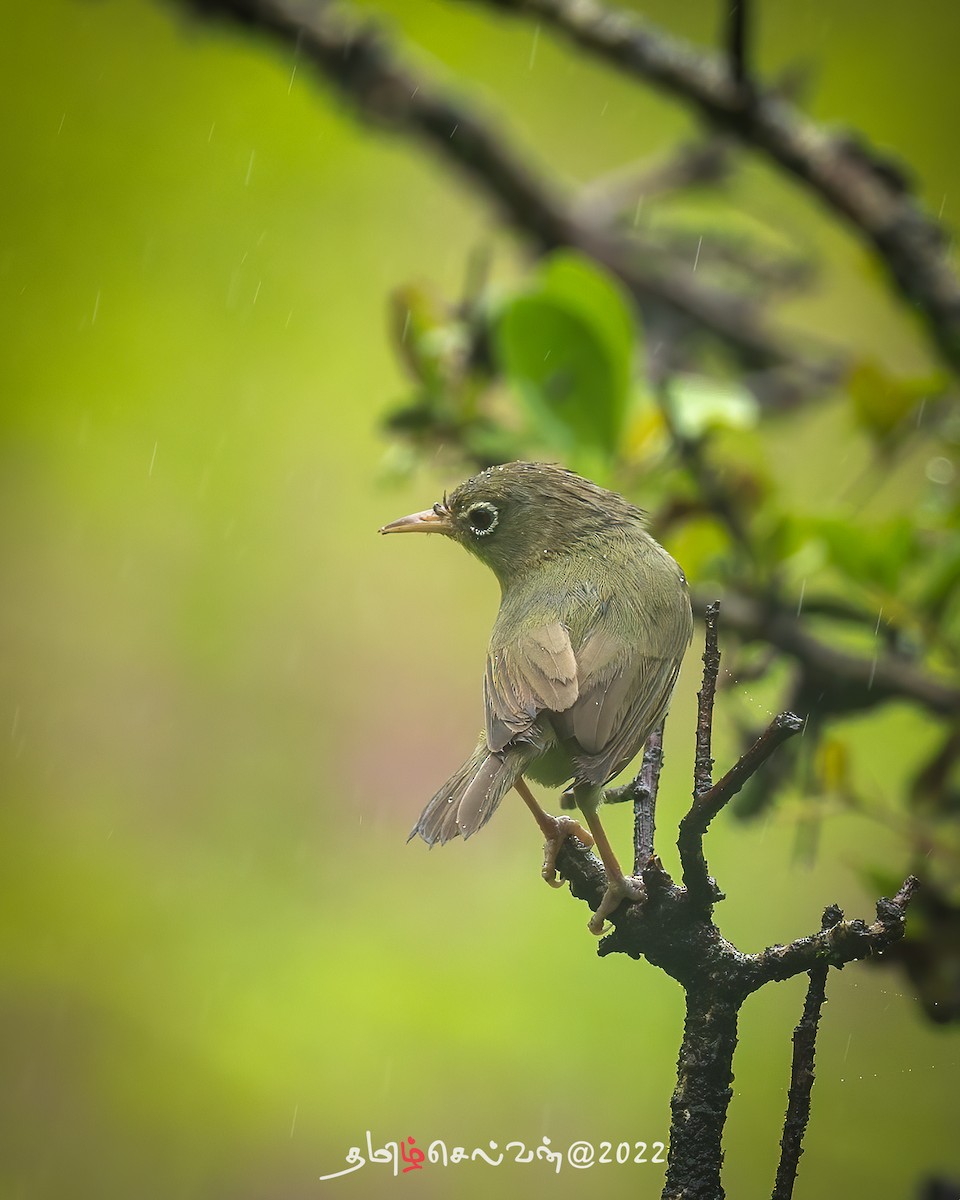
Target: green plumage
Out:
[594,620]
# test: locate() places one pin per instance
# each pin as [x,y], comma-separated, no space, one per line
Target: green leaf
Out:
[881,401]
[942,580]
[700,404]
[879,555]
[566,344]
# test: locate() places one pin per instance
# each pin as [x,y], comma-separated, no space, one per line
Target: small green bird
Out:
[594,621]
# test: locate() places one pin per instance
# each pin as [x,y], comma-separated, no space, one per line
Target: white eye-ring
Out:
[482,518]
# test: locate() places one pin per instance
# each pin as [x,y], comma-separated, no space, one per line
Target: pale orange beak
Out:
[431,520]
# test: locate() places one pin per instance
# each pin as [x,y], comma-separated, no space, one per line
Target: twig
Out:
[783,726]
[696,876]
[845,942]
[359,63]
[645,800]
[801,1072]
[708,804]
[703,764]
[691,164]
[870,193]
[641,791]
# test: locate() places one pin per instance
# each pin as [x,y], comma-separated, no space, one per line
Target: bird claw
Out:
[624,888]
[563,828]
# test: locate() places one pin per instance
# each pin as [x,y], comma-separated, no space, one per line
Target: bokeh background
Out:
[223,700]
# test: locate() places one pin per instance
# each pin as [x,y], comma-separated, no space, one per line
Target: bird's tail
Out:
[470,797]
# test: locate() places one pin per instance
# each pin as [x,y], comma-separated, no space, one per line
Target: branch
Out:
[737,42]
[850,682]
[870,193]
[845,942]
[699,1103]
[672,928]
[703,762]
[691,164]
[645,800]
[801,1072]
[359,64]
[708,804]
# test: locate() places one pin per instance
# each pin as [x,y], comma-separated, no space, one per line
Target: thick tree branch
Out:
[869,192]
[699,1103]
[357,61]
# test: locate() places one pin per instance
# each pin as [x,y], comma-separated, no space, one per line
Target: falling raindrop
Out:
[533,47]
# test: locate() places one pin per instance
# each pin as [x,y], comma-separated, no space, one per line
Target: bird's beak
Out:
[431,520]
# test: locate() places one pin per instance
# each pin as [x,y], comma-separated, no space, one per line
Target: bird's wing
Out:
[624,688]
[526,675]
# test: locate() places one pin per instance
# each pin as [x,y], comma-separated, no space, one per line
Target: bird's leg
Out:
[555,830]
[619,886]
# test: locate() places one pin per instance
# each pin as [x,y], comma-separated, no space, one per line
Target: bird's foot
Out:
[557,832]
[621,888]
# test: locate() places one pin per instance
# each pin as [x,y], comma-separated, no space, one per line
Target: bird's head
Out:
[514,516]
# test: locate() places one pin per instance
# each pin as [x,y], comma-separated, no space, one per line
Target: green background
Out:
[224,700]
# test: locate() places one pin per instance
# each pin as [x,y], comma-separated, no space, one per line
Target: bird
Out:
[593,623]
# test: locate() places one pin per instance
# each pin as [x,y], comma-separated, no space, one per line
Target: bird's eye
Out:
[482,518]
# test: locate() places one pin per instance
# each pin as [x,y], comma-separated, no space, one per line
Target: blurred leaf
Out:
[646,437]
[701,544]
[429,341]
[943,579]
[700,405]
[871,556]
[727,243]
[881,401]
[566,344]
[832,765]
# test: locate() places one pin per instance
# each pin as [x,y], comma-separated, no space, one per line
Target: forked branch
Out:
[672,927]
